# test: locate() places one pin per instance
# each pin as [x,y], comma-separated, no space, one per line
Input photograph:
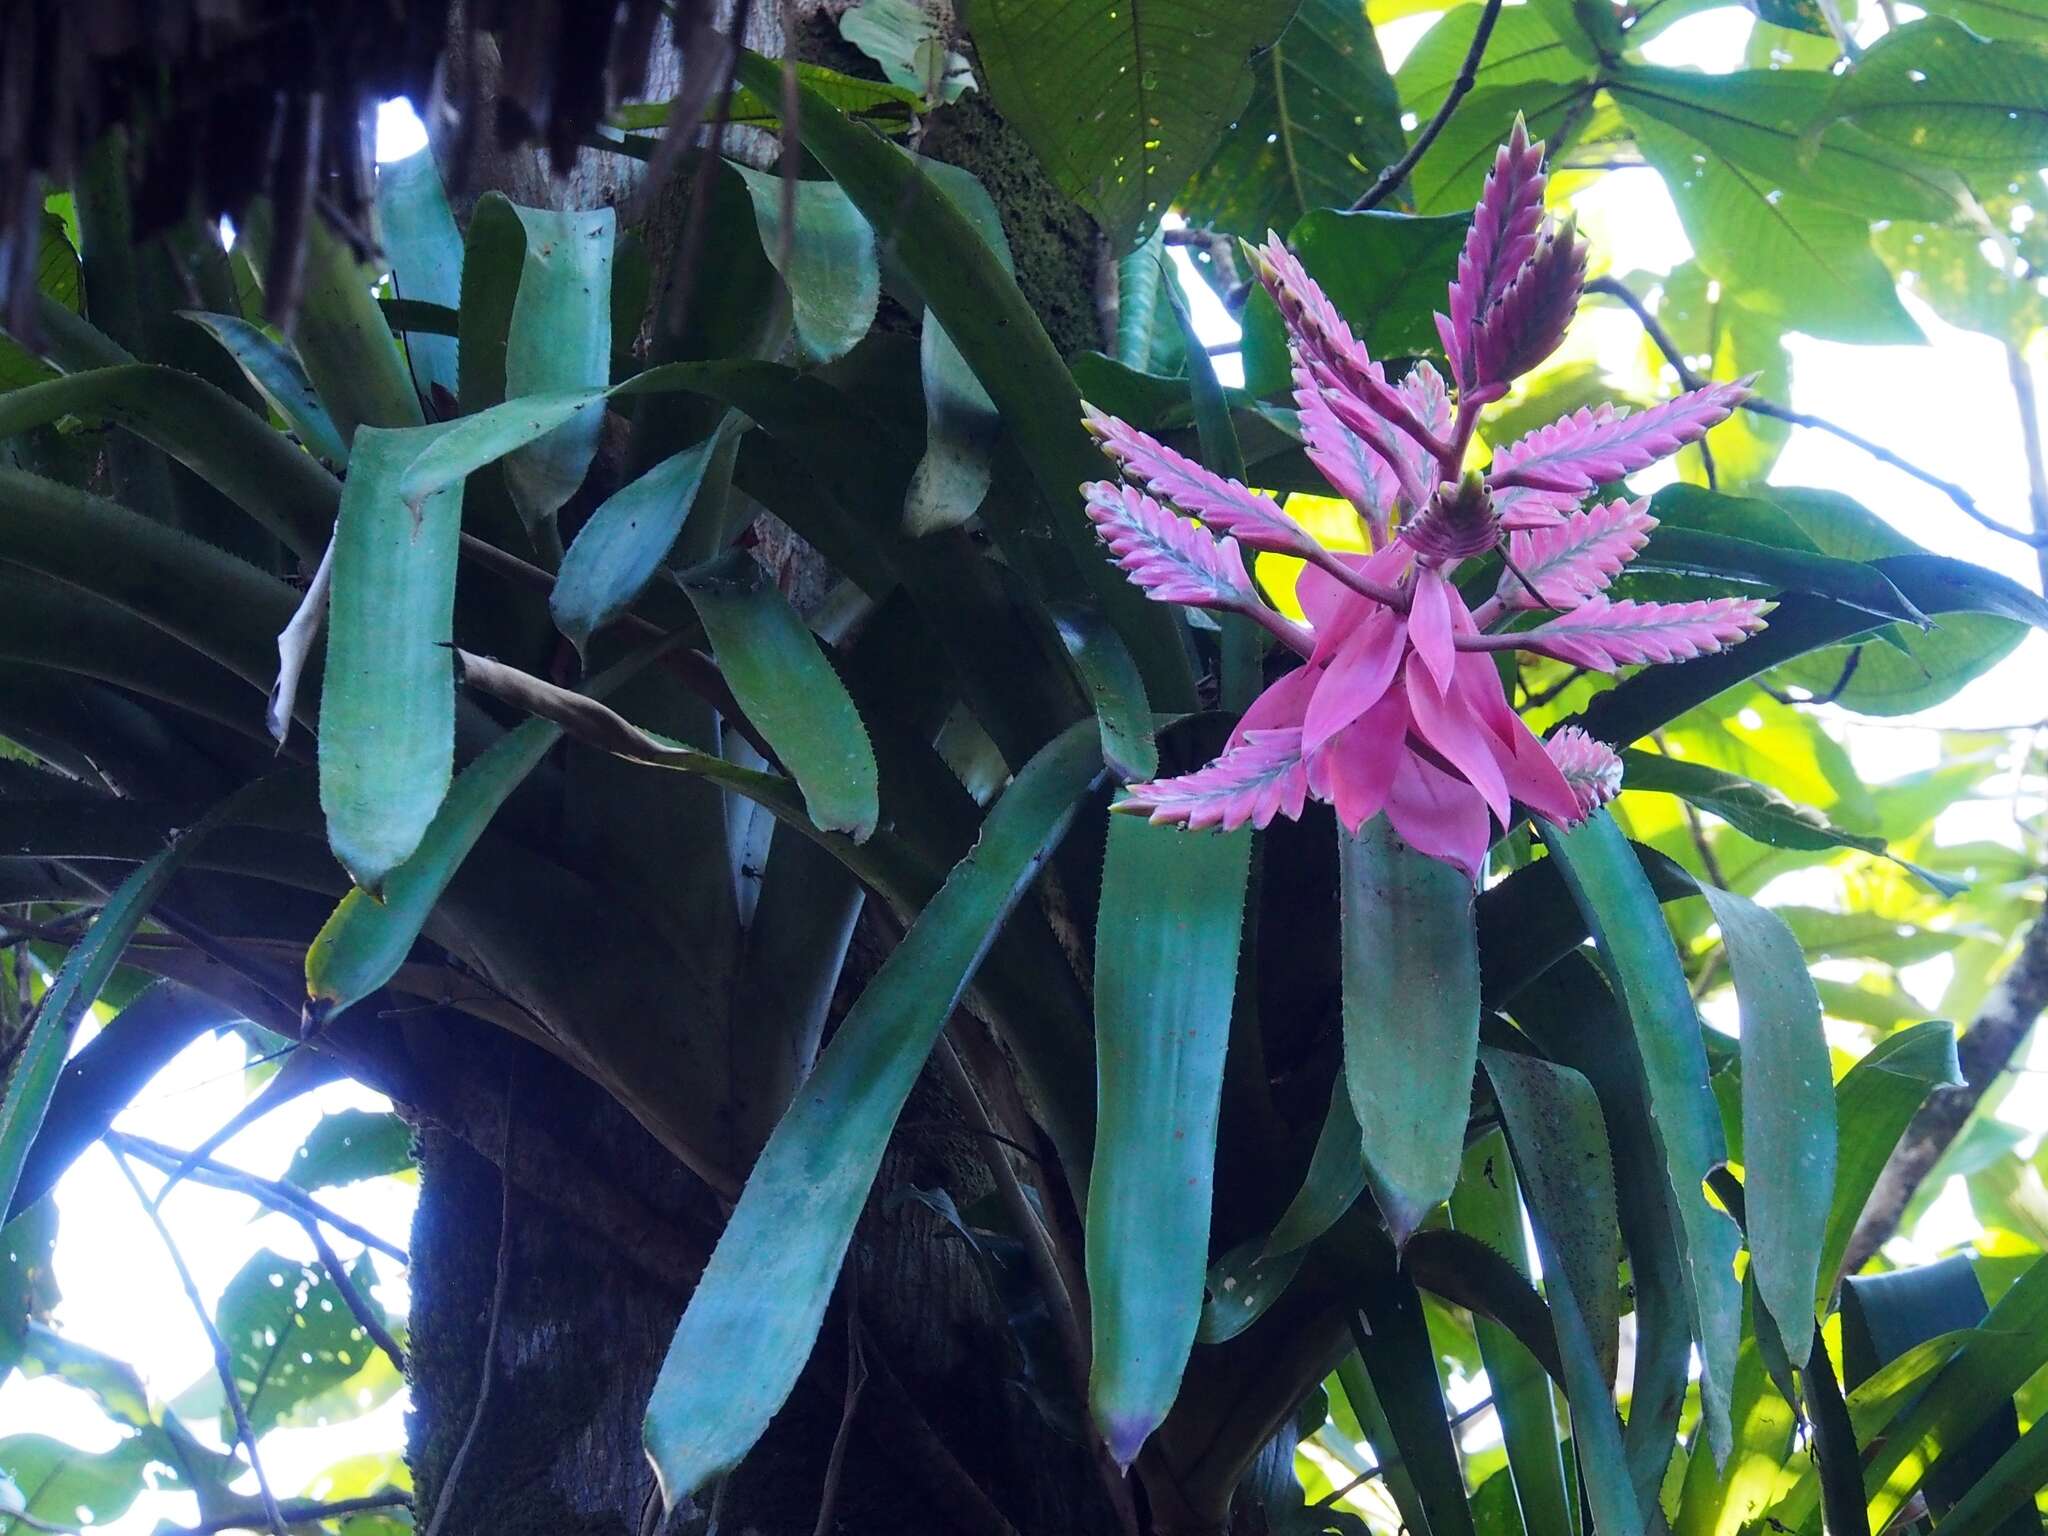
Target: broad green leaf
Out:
[1997,18]
[1138,278]
[788,690]
[1757,810]
[274,368]
[348,349]
[886,107]
[1706,322]
[39,1060]
[290,1337]
[387,706]
[1684,552]
[1411,1018]
[1400,1362]
[348,1146]
[2002,1498]
[1622,912]
[1323,119]
[1241,1285]
[1333,1183]
[1726,1498]
[559,338]
[628,538]
[1947,268]
[1874,1102]
[1523,49]
[1364,1404]
[1122,104]
[205,430]
[100,1079]
[425,247]
[826,258]
[57,282]
[1572,1014]
[61,1484]
[1757,120]
[962,280]
[1788,1109]
[755,1314]
[1385,272]
[1166,945]
[1487,1207]
[1110,675]
[1449,177]
[909,42]
[1935,88]
[1559,1141]
[1806,265]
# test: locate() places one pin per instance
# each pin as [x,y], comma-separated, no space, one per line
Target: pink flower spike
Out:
[1601,443]
[1255,521]
[1573,558]
[1262,778]
[1603,634]
[1531,316]
[1502,238]
[1589,766]
[1169,558]
[1359,474]
[1400,452]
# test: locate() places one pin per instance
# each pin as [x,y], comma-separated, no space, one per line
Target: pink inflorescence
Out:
[1397,707]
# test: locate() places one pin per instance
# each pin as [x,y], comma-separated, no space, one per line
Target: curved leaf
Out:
[349,351]
[426,253]
[787,688]
[827,260]
[1788,1109]
[387,705]
[1559,1143]
[1333,1183]
[755,1314]
[274,368]
[619,550]
[1166,946]
[559,338]
[1935,89]
[1411,1018]
[1623,915]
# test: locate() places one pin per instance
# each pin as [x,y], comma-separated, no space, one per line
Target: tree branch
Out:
[1758,406]
[1985,1052]
[1468,75]
[2030,438]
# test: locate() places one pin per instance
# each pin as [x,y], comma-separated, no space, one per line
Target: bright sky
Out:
[1945,406]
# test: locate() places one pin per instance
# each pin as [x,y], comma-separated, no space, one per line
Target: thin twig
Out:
[856,1379]
[1545,695]
[223,1361]
[444,1500]
[1758,406]
[275,1193]
[2022,376]
[1381,1468]
[1468,75]
[358,1304]
[301,1512]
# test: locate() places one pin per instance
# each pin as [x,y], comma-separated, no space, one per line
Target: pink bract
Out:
[1398,709]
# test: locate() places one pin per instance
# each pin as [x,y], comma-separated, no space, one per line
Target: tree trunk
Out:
[957,1426]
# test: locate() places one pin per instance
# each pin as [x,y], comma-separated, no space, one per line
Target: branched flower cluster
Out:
[1398,707]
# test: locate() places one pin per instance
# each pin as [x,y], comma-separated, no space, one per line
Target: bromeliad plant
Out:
[1399,707]
[1285,1111]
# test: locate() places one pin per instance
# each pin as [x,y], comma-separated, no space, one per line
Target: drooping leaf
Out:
[1623,914]
[789,691]
[426,253]
[1411,1018]
[1166,945]
[387,705]
[1155,109]
[826,258]
[1725,1498]
[755,1314]
[274,368]
[349,351]
[626,540]
[1788,1109]
[1559,1141]
[1487,1206]
[1242,1285]
[1333,1183]
[1322,120]
[348,1146]
[559,338]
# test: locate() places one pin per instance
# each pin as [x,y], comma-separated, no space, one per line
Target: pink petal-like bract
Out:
[1356,769]
[1431,623]
[1590,767]
[1165,555]
[1356,678]
[1457,736]
[1573,558]
[1439,814]
[1345,459]
[1501,240]
[1603,634]
[1595,444]
[1259,779]
[1255,521]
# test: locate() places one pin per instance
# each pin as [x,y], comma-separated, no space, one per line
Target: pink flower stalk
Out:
[1397,708]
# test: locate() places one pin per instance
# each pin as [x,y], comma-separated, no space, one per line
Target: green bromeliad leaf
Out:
[826,257]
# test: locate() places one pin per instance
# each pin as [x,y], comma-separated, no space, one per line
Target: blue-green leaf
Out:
[756,1312]
[826,258]
[274,368]
[1333,1183]
[560,338]
[1165,975]
[426,253]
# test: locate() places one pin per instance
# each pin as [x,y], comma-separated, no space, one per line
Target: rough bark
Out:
[1985,1052]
